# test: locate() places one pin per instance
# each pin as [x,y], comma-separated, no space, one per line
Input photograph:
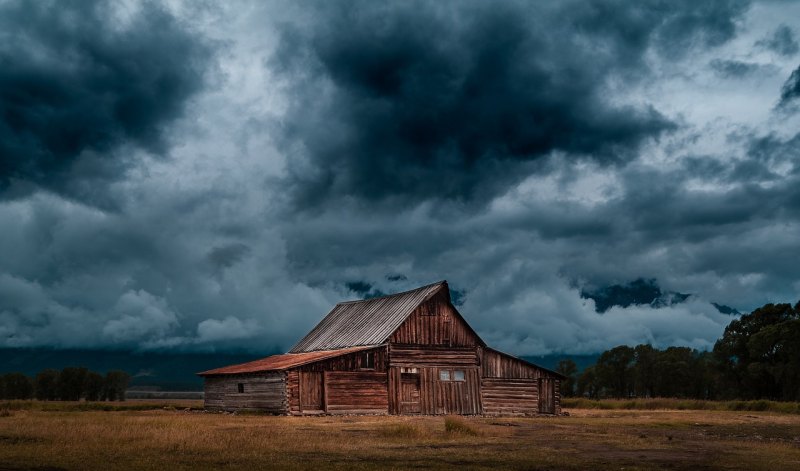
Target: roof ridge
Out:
[401,293]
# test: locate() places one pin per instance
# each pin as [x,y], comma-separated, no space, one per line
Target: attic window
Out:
[240,386]
[368,360]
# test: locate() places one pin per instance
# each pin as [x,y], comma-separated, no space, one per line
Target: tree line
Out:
[757,357]
[69,384]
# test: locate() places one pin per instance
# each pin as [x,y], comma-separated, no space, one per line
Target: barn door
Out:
[311,392]
[409,393]
[547,396]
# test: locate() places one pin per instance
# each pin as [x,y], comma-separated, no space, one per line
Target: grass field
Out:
[171,435]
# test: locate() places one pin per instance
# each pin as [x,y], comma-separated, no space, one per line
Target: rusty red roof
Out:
[282,362]
[367,322]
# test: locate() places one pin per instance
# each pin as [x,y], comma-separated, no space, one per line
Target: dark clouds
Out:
[781,41]
[526,152]
[78,79]
[417,101]
[791,90]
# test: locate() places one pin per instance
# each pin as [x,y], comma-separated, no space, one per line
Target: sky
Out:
[215,176]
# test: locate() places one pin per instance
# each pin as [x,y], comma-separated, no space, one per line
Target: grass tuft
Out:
[457,425]
[5,412]
[401,431]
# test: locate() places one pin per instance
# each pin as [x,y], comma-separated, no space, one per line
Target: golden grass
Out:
[175,438]
[681,404]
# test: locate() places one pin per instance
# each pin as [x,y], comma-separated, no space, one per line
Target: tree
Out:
[18,386]
[614,371]
[569,369]
[94,386]
[775,353]
[747,370]
[47,385]
[116,382]
[71,383]
[587,385]
[644,374]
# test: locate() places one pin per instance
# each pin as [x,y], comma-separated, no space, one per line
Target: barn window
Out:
[240,387]
[458,375]
[444,375]
[368,360]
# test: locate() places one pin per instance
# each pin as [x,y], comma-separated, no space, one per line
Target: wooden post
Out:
[325,391]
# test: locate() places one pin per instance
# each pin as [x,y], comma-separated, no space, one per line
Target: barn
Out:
[405,353]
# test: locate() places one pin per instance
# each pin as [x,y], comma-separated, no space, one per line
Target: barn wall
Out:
[435,322]
[504,396]
[350,362]
[265,392]
[510,386]
[404,355]
[356,392]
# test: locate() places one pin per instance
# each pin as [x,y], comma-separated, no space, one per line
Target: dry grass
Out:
[681,404]
[33,438]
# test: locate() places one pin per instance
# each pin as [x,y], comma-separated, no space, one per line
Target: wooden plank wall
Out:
[404,355]
[356,392]
[509,386]
[293,392]
[505,396]
[350,362]
[265,392]
[435,322]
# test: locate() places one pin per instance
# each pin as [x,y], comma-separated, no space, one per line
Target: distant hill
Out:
[150,370]
[641,292]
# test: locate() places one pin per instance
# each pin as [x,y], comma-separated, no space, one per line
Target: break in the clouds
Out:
[215,177]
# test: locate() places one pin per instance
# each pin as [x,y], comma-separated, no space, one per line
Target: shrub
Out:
[456,425]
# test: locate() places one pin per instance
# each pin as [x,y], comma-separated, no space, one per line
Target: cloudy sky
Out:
[203,176]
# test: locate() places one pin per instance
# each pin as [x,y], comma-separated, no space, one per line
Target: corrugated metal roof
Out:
[281,362]
[367,322]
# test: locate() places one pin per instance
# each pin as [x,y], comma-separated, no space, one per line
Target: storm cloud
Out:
[79,79]
[216,177]
[416,100]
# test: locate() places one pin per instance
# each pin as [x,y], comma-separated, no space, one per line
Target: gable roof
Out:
[281,362]
[367,322]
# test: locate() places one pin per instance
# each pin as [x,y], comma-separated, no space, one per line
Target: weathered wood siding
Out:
[404,355]
[350,362]
[508,396]
[356,392]
[435,322]
[265,392]
[510,386]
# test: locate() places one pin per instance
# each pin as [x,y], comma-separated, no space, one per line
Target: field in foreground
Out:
[177,438]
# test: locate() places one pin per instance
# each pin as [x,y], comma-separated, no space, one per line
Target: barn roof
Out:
[367,322]
[281,362]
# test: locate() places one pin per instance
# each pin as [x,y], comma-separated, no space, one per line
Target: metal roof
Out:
[367,322]
[281,362]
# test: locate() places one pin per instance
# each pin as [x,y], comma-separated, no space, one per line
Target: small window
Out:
[240,387]
[458,375]
[368,361]
[444,375]
[407,369]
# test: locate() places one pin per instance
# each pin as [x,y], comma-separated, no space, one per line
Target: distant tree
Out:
[775,354]
[18,386]
[568,368]
[587,385]
[644,370]
[752,355]
[116,382]
[46,385]
[71,383]
[614,370]
[94,386]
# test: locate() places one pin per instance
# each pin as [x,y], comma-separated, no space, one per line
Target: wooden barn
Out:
[406,353]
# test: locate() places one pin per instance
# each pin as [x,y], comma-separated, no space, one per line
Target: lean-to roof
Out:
[281,362]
